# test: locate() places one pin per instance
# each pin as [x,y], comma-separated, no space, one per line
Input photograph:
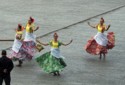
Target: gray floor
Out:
[83,68]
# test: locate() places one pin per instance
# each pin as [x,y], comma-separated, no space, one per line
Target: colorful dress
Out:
[52,61]
[29,43]
[100,43]
[19,52]
[29,36]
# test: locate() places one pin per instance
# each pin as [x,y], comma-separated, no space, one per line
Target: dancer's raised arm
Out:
[67,43]
[36,28]
[45,44]
[92,25]
[107,28]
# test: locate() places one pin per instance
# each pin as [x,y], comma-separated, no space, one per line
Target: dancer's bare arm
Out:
[92,25]
[67,43]
[107,28]
[36,28]
[45,44]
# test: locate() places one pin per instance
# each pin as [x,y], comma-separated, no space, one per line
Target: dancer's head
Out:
[19,32]
[31,20]
[102,20]
[55,36]
[19,28]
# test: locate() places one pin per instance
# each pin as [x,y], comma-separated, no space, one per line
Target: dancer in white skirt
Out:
[17,50]
[52,61]
[30,28]
[30,42]
[100,43]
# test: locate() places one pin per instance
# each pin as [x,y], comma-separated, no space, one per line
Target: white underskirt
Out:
[101,39]
[16,45]
[56,53]
[30,37]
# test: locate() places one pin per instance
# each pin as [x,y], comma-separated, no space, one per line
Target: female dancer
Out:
[100,43]
[29,42]
[30,28]
[52,62]
[17,49]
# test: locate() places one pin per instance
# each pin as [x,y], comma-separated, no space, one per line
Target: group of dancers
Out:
[52,61]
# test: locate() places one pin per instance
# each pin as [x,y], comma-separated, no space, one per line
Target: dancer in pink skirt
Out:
[17,48]
[25,49]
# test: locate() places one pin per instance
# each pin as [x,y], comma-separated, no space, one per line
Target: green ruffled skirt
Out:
[49,63]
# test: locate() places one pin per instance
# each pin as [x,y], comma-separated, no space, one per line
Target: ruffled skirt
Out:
[100,43]
[27,51]
[49,63]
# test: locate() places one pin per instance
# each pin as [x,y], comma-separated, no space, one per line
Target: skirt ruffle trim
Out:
[94,48]
[27,51]
[49,63]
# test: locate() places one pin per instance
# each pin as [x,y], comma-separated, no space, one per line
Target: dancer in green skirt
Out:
[52,62]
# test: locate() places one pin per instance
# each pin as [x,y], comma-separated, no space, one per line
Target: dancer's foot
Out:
[58,73]
[100,57]
[54,74]
[19,65]
[104,56]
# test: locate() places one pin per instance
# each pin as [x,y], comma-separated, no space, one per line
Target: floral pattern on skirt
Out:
[49,63]
[94,48]
[27,51]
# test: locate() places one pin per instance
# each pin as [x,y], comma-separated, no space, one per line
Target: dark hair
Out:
[19,26]
[102,19]
[55,34]
[3,52]
[32,20]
